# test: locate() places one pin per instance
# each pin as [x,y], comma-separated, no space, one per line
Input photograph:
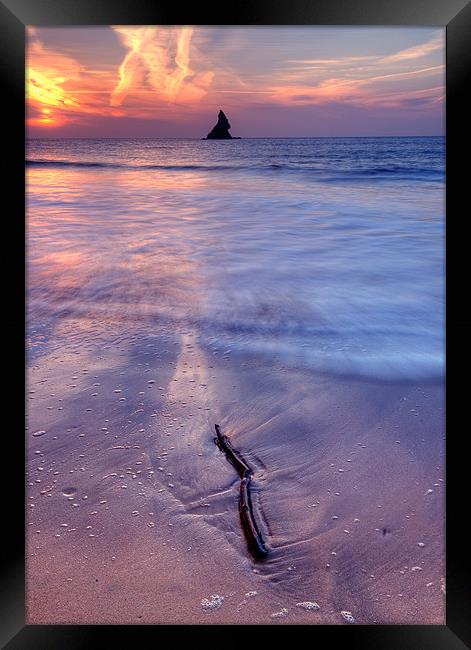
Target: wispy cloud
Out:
[343,61]
[159,58]
[416,52]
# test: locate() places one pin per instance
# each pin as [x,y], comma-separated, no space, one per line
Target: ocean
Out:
[290,291]
[323,252]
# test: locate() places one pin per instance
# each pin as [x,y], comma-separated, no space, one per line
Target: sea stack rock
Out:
[221,130]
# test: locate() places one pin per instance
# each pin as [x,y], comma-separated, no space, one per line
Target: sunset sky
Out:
[270,81]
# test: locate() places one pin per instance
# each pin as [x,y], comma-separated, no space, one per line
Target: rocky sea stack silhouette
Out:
[221,130]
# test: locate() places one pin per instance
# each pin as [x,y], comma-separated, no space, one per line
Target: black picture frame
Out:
[456,16]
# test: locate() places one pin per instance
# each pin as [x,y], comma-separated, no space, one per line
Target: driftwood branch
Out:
[252,532]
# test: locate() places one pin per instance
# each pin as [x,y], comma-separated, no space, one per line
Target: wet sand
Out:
[132,513]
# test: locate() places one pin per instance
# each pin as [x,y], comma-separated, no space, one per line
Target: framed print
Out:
[234,234]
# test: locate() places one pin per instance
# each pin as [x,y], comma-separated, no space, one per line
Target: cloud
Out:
[344,61]
[434,44]
[423,49]
[158,58]
[58,86]
[46,79]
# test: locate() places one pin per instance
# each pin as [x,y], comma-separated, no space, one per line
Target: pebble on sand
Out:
[213,602]
[311,606]
[283,612]
[347,616]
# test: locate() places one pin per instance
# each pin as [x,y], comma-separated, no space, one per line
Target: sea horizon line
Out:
[283,137]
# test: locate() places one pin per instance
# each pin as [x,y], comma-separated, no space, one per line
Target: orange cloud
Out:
[159,58]
[58,86]
[45,83]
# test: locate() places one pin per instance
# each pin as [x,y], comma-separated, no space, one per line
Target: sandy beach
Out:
[140,523]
